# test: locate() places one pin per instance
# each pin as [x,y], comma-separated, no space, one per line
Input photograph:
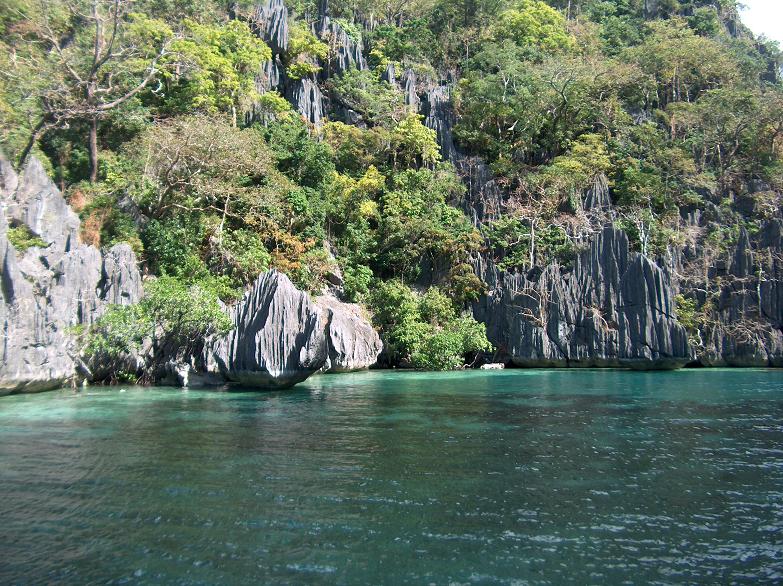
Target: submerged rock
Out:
[493,366]
[48,292]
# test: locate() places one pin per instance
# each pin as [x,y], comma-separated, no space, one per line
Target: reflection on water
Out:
[389,478]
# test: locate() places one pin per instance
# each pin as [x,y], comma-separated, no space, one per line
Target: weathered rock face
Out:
[745,291]
[281,337]
[409,89]
[38,204]
[597,198]
[347,51]
[615,308]
[353,343]
[305,94]
[439,116]
[277,340]
[270,22]
[48,291]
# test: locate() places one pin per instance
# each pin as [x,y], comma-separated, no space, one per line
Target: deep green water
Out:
[512,477]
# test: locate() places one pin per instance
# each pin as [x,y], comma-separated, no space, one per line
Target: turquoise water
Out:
[514,477]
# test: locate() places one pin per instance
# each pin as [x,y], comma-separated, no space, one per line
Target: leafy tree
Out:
[683,64]
[413,144]
[297,154]
[533,24]
[214,68]
[424,331]
[171,314]
[22,238]
[77,61]
[376,101]
[304,51]
[411,42]
[514,111]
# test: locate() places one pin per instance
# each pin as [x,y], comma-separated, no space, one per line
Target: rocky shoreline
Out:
[280,336]
[613,308]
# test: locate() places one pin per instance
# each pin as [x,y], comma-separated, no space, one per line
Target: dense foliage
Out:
[151,119]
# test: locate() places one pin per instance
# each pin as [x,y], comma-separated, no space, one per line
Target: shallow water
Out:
[511,477]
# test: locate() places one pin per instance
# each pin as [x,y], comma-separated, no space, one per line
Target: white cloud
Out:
[764,17]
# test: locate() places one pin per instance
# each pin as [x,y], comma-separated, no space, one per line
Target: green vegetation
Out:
[154,124]
[171,313]
[304,51]
[22,238]
[425,331]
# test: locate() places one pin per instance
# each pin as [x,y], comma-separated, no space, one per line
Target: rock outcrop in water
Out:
[614,308]
[744,289]
[277,338]
[280,337]
[47,291]
[353,343]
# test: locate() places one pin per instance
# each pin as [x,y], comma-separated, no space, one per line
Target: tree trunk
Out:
[532,243]
[31,142]
[93,149]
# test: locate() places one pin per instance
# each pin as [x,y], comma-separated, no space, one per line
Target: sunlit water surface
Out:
[389,478]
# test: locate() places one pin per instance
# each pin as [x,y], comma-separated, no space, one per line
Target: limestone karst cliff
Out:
[49,290]
[613,307]
[280,336]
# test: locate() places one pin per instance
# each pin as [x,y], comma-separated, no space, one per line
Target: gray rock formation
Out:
[439,116]
[352,341]
[270,22]
[409,88]
[281,337]
[305,94]
[347,51]
[745,294]
[483,201]
[390,75]
[270,76]
[614,309]
[46,292]
[277,339]
[37,203]
[597,198]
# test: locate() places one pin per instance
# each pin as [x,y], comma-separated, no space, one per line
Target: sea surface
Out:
[509,477]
